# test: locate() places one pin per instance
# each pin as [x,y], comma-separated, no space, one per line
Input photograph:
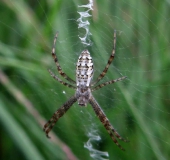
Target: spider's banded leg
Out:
[103,117]
[59,113]
[59,80]
[106,122]
[106,83]
[57,63]
[109,61]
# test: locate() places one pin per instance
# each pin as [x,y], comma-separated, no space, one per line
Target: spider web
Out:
[137,107]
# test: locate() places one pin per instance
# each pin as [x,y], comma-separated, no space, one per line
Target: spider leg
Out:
[59,113]
[106,83]
[59,80]
[57,63]
[109,61]
[112,132]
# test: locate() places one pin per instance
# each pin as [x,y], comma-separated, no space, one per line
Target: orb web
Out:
[136,107]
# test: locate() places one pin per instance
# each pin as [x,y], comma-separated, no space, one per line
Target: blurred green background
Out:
[139,107]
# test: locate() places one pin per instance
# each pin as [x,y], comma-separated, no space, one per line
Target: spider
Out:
[83,89]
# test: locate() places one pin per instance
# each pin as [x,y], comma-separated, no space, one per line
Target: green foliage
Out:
[138,107]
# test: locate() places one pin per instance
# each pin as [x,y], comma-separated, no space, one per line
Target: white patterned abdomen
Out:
[84,70]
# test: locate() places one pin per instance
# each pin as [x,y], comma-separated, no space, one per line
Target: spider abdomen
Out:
[84,69]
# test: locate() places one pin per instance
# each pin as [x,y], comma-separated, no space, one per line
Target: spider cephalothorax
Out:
[83,95]
[84,88]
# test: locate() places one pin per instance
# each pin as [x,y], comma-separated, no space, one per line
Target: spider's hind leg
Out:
[109,61]
[57,63]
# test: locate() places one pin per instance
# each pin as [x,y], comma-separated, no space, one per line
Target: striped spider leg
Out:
[106,69]
[84,89]
[59,113]
[109,61]
[112,132]
[57,63]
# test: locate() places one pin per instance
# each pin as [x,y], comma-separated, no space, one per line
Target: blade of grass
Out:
[18,134]
[142,124]
[27,104]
